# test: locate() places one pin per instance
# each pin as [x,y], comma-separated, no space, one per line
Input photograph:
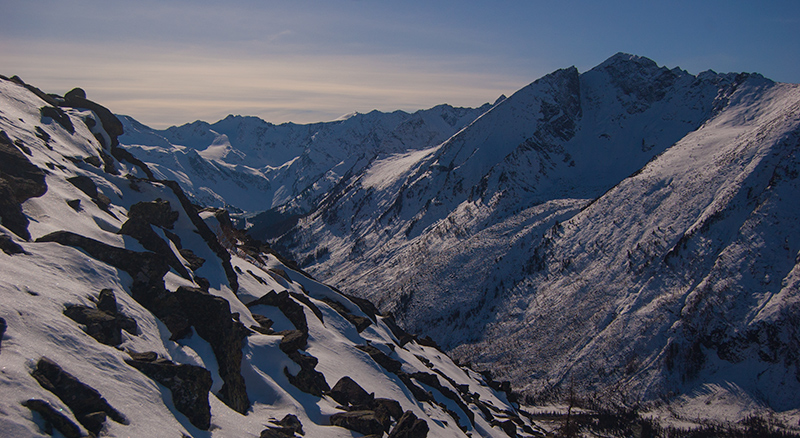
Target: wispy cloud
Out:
[169,87]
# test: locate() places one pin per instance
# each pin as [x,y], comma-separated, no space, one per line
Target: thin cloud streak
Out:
[279,88]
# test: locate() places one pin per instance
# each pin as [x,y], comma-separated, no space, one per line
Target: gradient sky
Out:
[171,62]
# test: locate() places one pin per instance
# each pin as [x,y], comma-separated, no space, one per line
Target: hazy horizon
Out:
[169,63]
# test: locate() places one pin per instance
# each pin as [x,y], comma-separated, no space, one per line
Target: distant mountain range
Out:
[628,236]
[631,230]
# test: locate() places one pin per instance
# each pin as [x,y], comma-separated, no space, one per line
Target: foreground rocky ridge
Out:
[128,311]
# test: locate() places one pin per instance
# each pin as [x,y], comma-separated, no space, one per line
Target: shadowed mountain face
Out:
[630,229]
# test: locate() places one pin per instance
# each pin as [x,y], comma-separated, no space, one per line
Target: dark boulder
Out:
[308,380]
[158,213]
[141,217]
[392,407]
[389,364]
[53,419]
[293,340]
[3,327]
[76,92]
[10,247]
[189,385]
[194,261]
[409,426]
[103,323]
[287,427]
[348,392]
[99,325]
[84,184]
[211,318]
[59,116]
[360,322]
[84,401]
[94,161]
[364,422]
[20,180]
[107,302]
[110,122]
[293,311]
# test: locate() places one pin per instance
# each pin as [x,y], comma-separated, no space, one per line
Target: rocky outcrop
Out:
[290,308]
[359,322]
[3,327]
[409,426]
[308,379]
[20,180]
[104,323]
[211,318]
[88,406]
[76,98]
[288,426]
[8,246]
[57,114]
[364,422]
[89,188]
[353,398]
[347,392]
[205,233]
[53,419]
[189,385]
[141,217]
[147,270]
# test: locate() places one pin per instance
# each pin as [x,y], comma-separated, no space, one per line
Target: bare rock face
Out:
[288,426]
[20,180]
[140,218]
[3,327]
[189,385]
[147,270]
[158,213]
[348,392]
[211,318]
[89,407]
[364,422]
[76,98]
[410,426]
[53,418]
[104,323]
[8,246]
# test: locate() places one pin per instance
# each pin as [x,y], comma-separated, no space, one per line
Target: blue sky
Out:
[171,62]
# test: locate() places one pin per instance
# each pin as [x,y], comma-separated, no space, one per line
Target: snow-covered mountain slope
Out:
[125,311]
[630,230]
[248,165]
